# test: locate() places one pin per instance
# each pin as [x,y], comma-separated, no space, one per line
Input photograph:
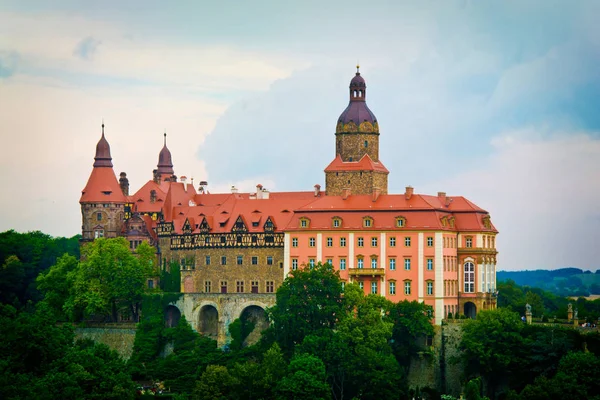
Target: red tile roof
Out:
[365,164]
[102,187]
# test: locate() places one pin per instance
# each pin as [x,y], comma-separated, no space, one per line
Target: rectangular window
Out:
[373,263]
[99,216]
[269,260]
[361,263]
[469,243]
[407,241]
[373,242]
[430,264]
[294,264]
[361,285]
[254,260]
[207,260]
[336,223]
[311,242]
[342,242]
[430,241]
[469,277]
[392,242]
[294,242]
[150,284]
[239,286]
[223,286]
[311,262]
[254,287]
[329,261]
[374,287]
[342,264]
[407,288]
[407,264]
[329,242]
[429,288]
[270,287]
[207,287]
[240,260]
[367,223]
[360,242]
[392,262]
[223,260]
[392,288]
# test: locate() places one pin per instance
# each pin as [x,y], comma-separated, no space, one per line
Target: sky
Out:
[498,101]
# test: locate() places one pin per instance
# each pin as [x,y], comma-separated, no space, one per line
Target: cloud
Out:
[8,63]
[541,194]
[86,49]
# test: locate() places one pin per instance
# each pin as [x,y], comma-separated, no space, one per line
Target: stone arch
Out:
[208,321]
[470,309]
[258,317]
[172,316]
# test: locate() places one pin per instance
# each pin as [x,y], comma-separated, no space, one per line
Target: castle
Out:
[435,249]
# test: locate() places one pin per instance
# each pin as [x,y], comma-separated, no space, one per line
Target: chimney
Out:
[124,183]
[156,177]
[152,196]
[345,193]
[442,197]
[173,178]
[265,194]
[317,190]
[409,192]
[234,189]
[202,187]
[259,194]
[183,179]
[376,193]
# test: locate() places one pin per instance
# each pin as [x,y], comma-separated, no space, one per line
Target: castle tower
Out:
[102,200]
[165,164]
[356,167]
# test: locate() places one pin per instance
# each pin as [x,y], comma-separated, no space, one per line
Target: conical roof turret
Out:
[165,162]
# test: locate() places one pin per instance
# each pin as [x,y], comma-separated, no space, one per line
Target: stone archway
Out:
[208,321]
[470,310]
[256,316]
[172,316]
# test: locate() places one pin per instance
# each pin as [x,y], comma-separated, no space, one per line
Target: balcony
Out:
[366,271]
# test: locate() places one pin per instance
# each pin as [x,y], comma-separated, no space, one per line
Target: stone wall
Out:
[351,146]
[119,339]
[359,182]
[111,219]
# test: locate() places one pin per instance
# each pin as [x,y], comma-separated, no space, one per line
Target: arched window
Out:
[469,277]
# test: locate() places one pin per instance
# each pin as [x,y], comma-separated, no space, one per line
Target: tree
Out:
[305,380]
[110,279]
[412,320]
[216,383]
[309,300]
[489,343]
[56,283]
[536,303]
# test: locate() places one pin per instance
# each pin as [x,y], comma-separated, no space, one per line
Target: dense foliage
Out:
[563,282]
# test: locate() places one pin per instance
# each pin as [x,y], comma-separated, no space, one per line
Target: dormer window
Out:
[337,222]
[304,222]
[444,221]
[486,222]
[400,222]
[451,222]
[367,222]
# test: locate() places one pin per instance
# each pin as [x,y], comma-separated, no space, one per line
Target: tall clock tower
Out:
[356,167]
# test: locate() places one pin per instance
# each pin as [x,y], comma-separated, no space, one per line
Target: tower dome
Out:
[165,162]
[357,117]
[103,158]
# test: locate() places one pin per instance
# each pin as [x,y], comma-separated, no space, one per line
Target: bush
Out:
[450,315]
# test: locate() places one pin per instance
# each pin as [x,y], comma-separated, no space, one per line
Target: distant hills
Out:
[563,282]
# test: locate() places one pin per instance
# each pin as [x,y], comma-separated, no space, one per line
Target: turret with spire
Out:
[165,162]
[356,168]
[102,200]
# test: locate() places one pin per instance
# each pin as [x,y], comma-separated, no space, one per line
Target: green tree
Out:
[306,379]
[536,303]
[490,346]
[216,383]
[412,321]
[56,282]
[309,300]
[110,279]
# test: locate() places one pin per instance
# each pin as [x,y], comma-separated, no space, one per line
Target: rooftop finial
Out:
[165,137]
[102,126]
[357,68]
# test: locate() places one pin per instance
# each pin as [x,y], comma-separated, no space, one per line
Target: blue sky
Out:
[497,101]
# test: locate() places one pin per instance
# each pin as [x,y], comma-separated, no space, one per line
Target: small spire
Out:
[102,126]
[165,137]
[357,68]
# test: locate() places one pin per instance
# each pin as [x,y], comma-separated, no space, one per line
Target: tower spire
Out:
[103,158]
